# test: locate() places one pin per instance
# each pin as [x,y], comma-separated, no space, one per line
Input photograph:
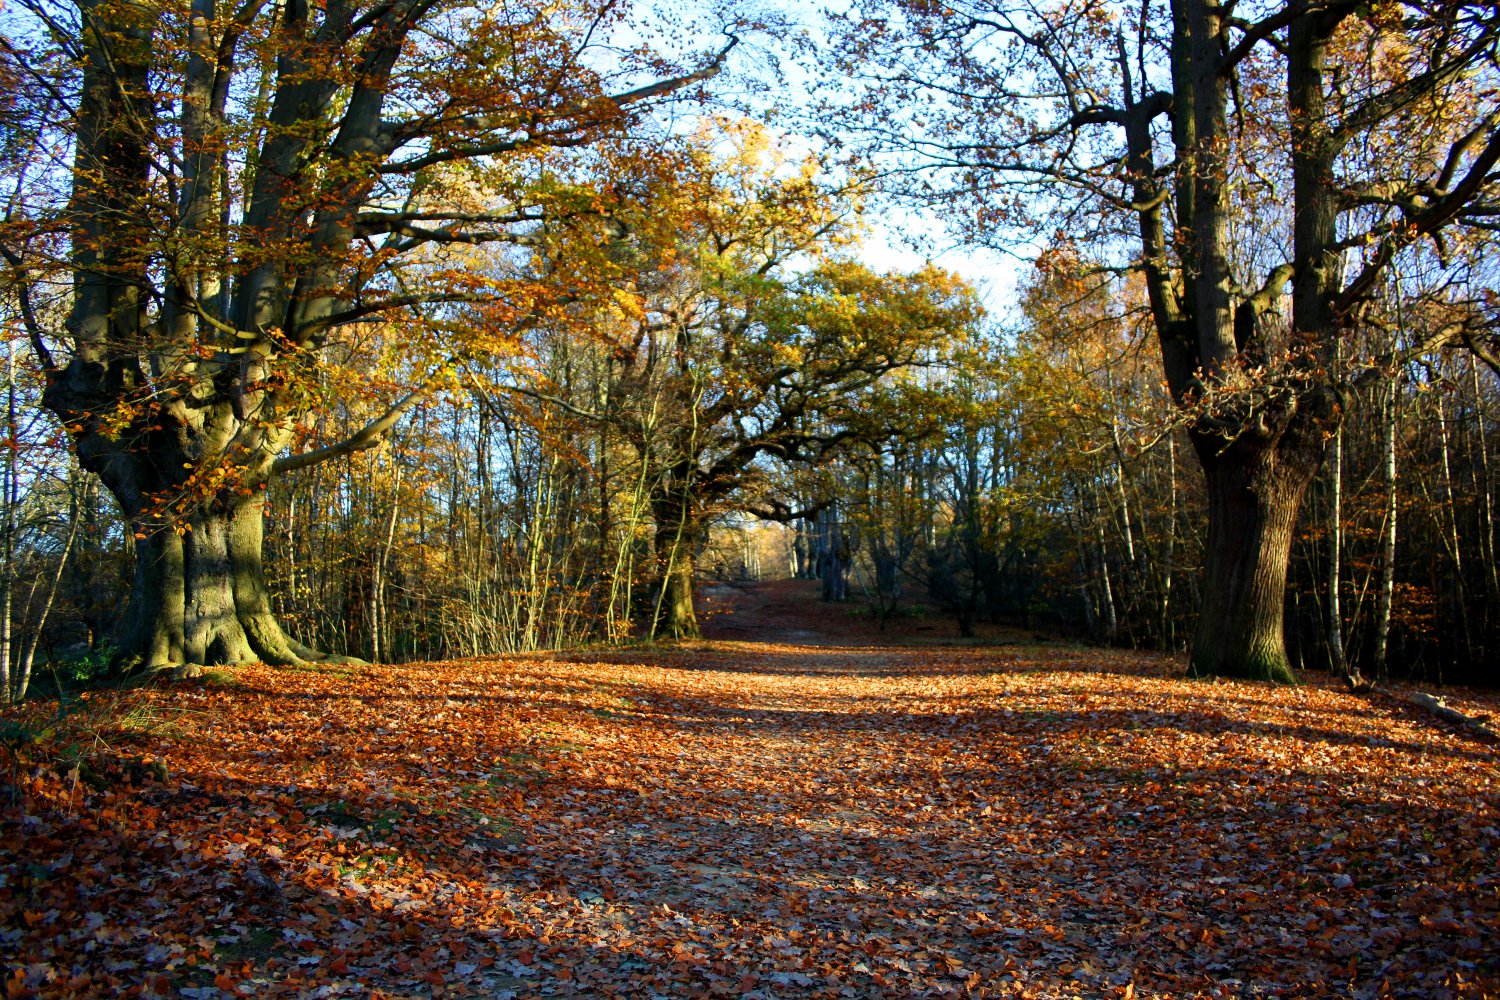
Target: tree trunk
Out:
[676,617]
[9,499]
[676,546]
[679,531]
[1254,491]
[1107,588]
[1258,457]
[199,594]
[1335,623]
[1168,559]
[1387,533]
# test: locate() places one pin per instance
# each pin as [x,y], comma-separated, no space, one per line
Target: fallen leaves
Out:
[762,820]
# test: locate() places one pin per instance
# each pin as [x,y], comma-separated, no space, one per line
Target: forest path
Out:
[793,611]
[766,820]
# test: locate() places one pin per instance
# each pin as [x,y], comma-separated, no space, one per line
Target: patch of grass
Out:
[347,814]
[253,944]
[368,862]
[145,719]
[81,740]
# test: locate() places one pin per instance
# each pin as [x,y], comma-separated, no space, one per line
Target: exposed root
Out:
[310,655]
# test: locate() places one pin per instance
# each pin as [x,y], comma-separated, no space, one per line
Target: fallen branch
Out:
[1436,706]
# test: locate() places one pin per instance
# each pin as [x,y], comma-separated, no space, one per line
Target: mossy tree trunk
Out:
[1255,490]
[679,533]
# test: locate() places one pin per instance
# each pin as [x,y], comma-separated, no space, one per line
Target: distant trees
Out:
[1047,493]
[730,358]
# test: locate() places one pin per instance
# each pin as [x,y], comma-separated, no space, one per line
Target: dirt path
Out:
[772,819]
[793,611]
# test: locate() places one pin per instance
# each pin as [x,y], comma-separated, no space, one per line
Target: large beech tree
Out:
[247,181]
[1264,165]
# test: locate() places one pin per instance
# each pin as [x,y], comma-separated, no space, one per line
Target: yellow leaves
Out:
[630,304]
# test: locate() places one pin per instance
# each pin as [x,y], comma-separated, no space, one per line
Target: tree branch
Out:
[564,136]
[309,329]
[776,510]
[370,434]
[28,312]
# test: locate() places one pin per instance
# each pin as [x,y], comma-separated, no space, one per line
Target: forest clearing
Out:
[826,812]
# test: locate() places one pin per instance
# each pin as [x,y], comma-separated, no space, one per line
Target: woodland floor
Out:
[797,806]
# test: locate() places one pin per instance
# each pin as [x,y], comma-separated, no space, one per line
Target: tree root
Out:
[310,655]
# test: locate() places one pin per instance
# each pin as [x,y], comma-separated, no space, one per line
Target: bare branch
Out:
[371,434]
[29,319]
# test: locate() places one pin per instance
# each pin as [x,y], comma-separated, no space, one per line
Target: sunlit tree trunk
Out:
[1106,583]
[1169,551]
[1335,623]
[9,498]
[1383,597]
[1254,494]
[379,647]
[1454,539]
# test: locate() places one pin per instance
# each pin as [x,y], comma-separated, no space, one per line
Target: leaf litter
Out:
[763,820]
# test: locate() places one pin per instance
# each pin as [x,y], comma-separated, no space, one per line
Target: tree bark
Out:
[1255,489]
[199,595]
[677,617]
[676,546]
